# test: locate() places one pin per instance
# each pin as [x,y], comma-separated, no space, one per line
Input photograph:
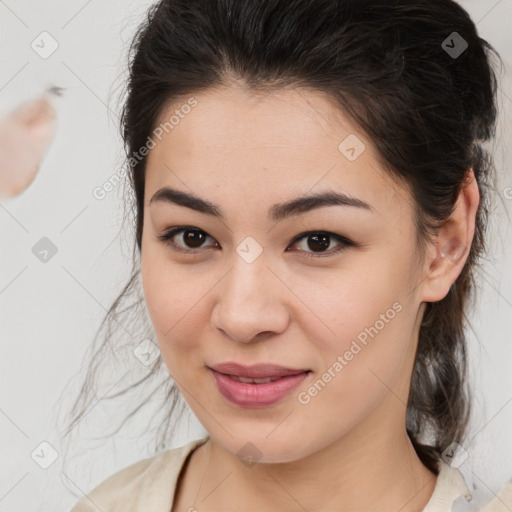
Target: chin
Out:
[254,447]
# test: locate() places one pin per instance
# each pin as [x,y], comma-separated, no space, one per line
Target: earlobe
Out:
[451,247]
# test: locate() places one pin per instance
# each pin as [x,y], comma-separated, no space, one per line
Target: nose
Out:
[251,302]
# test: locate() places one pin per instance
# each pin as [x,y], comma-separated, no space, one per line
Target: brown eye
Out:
[192,238]
[319,241]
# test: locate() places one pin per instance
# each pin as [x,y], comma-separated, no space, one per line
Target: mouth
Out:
[260,386]
[256,372]
[248,380]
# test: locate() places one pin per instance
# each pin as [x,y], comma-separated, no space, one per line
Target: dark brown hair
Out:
[427,102]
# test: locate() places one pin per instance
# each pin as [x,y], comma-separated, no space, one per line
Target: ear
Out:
[447,256]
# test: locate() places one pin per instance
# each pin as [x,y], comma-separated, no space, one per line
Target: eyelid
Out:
[342,240]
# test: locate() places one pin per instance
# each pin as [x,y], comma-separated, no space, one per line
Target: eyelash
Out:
[345,242]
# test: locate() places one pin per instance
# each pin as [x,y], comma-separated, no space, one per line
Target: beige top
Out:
[149,486]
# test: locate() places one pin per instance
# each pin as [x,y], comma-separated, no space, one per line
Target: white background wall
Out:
[49,312]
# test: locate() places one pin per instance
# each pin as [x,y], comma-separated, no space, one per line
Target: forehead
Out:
[235,120]
[278,144]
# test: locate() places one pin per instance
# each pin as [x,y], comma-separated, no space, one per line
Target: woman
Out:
[311,200]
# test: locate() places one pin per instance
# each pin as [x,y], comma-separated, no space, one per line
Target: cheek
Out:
[340,305]
[361,323]
[176,302]
[360,364]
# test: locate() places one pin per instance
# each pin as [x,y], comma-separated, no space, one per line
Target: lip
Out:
[253,395]
[256,371]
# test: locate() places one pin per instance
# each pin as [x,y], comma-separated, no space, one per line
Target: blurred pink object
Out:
[25,137]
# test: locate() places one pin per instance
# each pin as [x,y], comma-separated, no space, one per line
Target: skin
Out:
[347,449]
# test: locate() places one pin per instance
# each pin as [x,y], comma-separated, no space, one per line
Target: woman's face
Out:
[254,288]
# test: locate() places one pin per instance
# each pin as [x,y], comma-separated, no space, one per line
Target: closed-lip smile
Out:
[256,386]
[256,371]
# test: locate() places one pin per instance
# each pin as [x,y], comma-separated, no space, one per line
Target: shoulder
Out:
[452,494]
[502,502]
[450,488]
[148,484]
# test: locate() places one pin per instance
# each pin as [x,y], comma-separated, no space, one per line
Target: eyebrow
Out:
[276,212]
